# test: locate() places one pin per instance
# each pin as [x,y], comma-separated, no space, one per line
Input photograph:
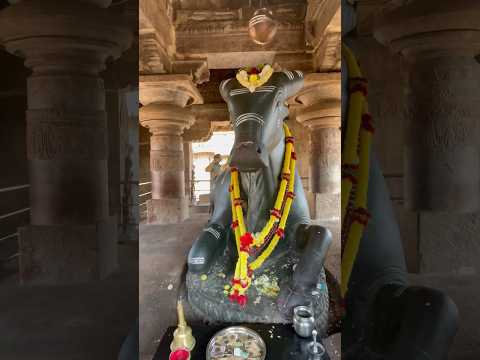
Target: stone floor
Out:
[88,321]
[163,251]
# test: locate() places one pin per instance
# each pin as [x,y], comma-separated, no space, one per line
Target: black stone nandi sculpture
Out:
[296,264]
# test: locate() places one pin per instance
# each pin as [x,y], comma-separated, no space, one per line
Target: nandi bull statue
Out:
[257,268]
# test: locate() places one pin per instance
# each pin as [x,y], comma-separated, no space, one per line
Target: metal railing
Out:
[5,238]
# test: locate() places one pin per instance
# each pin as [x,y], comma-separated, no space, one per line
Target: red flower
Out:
[242,300]
[246,240]
[280,232]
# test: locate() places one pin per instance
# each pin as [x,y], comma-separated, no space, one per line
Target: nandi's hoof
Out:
[288,299]
[204,249]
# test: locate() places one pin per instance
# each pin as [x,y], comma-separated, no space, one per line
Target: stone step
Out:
[199,209]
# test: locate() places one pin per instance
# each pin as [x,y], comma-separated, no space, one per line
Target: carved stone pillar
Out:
[164,113]
[321,112]
[440,40]
[188,154]
[66,44]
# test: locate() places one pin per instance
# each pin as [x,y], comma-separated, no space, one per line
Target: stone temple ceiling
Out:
[196,36]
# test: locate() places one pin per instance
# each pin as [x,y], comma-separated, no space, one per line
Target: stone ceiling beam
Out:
[229,47]
[319,15]
[327,54]
[157,37]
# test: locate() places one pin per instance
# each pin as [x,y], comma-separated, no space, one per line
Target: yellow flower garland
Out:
[275,226]
[355,168]
[252,81]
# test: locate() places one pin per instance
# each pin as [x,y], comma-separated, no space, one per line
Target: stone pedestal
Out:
[440,40]
[321,113]
[66,45]
[166,114]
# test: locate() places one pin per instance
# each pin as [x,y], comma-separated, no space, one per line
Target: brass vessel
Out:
[182,337]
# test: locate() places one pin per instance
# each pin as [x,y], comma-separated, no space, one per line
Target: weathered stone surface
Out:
[325,168]
[449,243]
[441,154]
[164,210]
[67,254]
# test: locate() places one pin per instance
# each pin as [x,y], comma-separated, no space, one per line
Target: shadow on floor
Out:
[87,321]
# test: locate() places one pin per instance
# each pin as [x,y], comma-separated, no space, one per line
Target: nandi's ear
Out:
[224,89]
[292,82]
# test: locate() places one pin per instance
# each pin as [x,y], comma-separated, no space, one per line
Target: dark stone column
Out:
[439,39]
[66,45]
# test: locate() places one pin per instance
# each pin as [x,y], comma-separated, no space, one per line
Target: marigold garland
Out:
[355,168]
[254,77]
[273,231]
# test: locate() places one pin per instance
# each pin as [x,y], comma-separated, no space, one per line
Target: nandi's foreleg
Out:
[315,240]
[213,238]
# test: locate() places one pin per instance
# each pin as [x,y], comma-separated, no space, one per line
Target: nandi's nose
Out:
[248,156]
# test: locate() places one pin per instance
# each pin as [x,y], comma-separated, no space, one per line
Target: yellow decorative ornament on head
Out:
[254,77]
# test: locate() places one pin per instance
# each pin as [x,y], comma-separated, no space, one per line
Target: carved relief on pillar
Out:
[166,161]
[52,135]
[440,41]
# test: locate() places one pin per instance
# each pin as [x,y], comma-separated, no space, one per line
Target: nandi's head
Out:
[257,124]
[257,133]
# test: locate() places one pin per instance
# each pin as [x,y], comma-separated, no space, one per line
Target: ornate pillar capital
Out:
[63,36]
[165,118]
[319,101]
[430,28]
[178,90]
